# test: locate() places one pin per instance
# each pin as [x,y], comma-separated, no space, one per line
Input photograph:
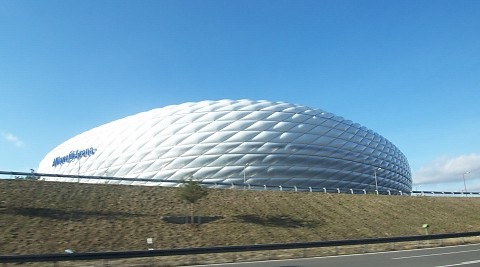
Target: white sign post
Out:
[150,243]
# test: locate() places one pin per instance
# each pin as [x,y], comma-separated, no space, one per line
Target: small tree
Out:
[191,191]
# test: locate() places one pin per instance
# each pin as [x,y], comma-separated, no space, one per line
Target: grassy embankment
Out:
[48,217]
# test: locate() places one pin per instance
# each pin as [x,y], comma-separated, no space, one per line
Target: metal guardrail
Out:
[220,249]
[247,186]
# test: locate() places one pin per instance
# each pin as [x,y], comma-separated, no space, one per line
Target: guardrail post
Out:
[376,191]
[364,191]
[401,193]
[351,191]
[295,188]
[233,186]
[310,188]
[389,193]
[281,188]
[265,187]
[324,190]
[338,190]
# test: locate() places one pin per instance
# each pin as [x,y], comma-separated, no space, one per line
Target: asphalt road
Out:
[465,255]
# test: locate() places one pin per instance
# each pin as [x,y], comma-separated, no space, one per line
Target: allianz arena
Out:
[258,143]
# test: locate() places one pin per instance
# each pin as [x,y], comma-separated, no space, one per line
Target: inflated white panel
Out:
[271,143]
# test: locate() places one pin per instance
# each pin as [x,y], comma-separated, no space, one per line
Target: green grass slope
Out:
[48,217]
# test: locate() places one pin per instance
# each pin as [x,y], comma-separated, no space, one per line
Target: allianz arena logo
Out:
[73,155]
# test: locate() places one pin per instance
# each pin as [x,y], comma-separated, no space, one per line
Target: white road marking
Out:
[436,254]
[462,263]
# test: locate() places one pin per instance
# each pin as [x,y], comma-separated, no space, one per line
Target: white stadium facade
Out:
[244,142]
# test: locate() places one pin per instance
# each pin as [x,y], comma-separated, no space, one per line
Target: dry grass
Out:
[48,217]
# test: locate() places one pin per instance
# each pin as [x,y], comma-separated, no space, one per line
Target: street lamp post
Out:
[464,183]
[244,175]
[375,174]
[78,173]
[418,188]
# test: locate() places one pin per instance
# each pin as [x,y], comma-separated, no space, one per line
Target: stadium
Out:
[242,142]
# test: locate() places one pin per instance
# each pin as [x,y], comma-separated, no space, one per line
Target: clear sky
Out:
[408,69]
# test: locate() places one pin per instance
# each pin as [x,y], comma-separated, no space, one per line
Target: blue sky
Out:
[410,69]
